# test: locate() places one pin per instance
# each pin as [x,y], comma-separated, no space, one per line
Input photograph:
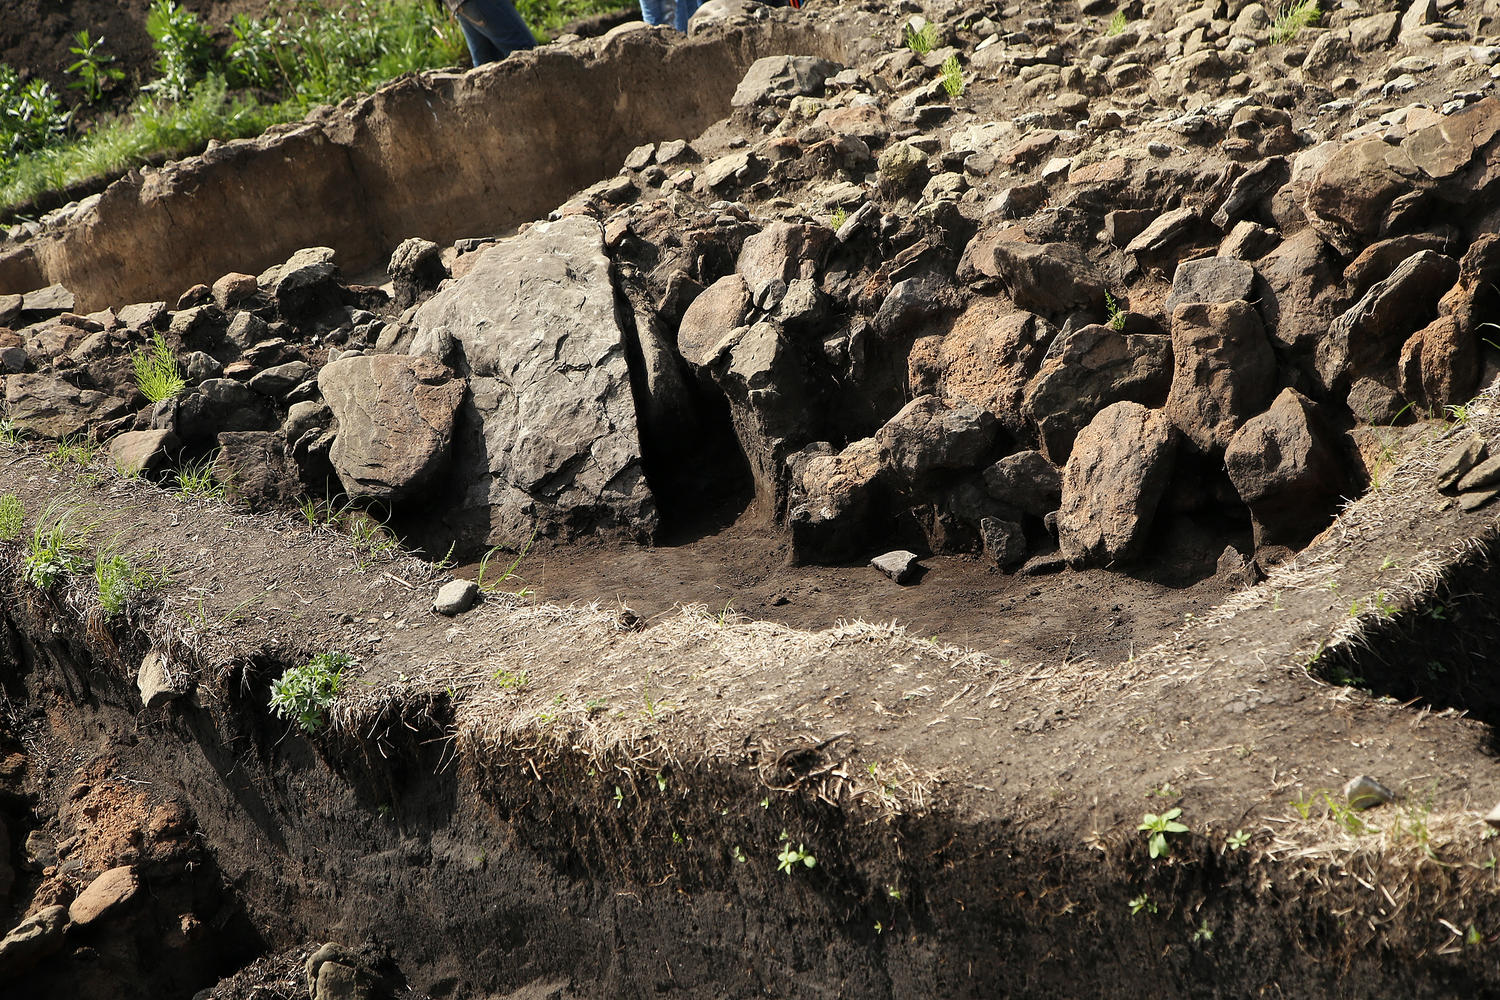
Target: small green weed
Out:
[12,517]
[371,540]
[1237,840]
[1116,320]
[93,67]
[1142,904]
[1291,17]
[492,586]
[1459,414]
[838,218]
[10,434]
[56,548]
[1116,25]
[1203,934]
[953,77]
[510,680]
[120,583]
[196,479]
[788,859]
[1158,827]
[156,372]
[921,40]
[305,693]
[76,448]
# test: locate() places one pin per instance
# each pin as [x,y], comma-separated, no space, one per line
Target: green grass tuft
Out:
[156,372]
[1292,17]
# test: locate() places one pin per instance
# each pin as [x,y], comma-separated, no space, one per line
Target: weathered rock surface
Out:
[1224,370]
[106,894]
[548,431]
[1088,370]
[1119,469]
[395,419]
[1367,338]
[33,939]
[49,407]
[1284,464]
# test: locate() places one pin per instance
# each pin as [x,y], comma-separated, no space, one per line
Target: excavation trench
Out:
[481,874]
[440,156]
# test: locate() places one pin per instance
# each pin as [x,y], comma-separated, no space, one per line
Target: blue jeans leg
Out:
[685,10]
[493,29]
[658,11]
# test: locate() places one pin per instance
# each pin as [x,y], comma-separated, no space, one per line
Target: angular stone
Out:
[49,301]
[219,405]
[1114,479]
[1462,456]
[1055,279]
[1210,279]
[395,422]
[988,358]
[554,435]
[707,324]
[1349,195]
[776,78]
[416,269]
[1088,370]
[47,406]
[1440,364]
[1025,481]
[135,452]
[252,467]
[900,565]
[1224,371]
[1485,474]
[1302,278]
[277,381]
[234,288]
[1164,231]
[1004,541]
[1365,792]
[1284,465]
[1367,337]
[33,939]
[928,436]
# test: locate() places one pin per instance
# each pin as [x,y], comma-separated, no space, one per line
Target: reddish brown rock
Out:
[1284,465]
[1119,469]
[1224,371]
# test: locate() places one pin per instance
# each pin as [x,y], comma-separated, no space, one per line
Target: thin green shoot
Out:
[12,517]
[953,77]
[491,585]
[1291,18]
[156,372]
[1116,25]
[921,40]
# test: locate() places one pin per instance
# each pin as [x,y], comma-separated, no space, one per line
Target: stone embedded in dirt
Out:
[135,452]
[10,308]
[307,415]
[776,78]
[553,434]
[1286,468]
[1440,364]
[337,981]
[13,356]
[1088,370]
[1237,571]
[416,269]
[245,330]
[1004,541]
[1378,260]
[1055,279]
[455,597]
[1467,452]
[107,893]
[1025,481]
[1374,403]
[782,251]
[706,325]
[902,166]
[157,684]
[303,282]
[47,406]
[1164,232]
[33,939]
[988,358]
[900,565]
[929,435]
[1119,469]
[1210,279]
[1368,336]
[1301,278]
[252,467]
[199,294]
[1492,818]
[395,419]
[1365,792]
[1249,241]
[1224,371]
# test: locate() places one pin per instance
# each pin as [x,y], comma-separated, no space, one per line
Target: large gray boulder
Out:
[395,422]
[1120,466]
[547,435]
[780,78]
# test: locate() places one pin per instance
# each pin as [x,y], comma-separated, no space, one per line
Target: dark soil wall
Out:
[482,876]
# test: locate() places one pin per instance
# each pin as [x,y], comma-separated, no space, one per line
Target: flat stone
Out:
[105,894]
[34,938]
[156,683]
[1466,453]
[455,597]
[1477,499]
[1485,474]
[1365,792]
[1210,279]
[900,565]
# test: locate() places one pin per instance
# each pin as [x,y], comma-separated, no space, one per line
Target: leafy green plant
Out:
[1459,414]
[12,517]
[510,680]
[371,540]
[838,218]
[492,586]
[788,859]
[196,479]
[256,55]
[1291,17]
[1203,934]
[1237,840]
[920,40]
[156,372]
[120,583]
[306,693]
[1142,904]
[1116,25]
[184,49]
[1116,315]
[1158,826]
[953,77]
[32,117]
[92,68]
[10,434]
[56,547]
